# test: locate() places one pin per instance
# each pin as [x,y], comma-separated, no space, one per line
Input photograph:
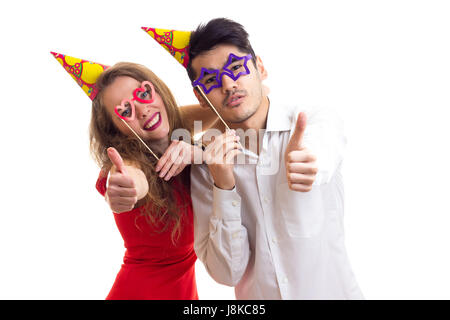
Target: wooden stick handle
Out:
[137,136]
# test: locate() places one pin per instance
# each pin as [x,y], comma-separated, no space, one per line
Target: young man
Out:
[273,225]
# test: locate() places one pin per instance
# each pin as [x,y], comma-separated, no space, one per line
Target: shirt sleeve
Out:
[221,241]
[325,137]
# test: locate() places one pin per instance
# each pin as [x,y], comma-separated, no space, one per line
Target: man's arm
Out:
[221,241]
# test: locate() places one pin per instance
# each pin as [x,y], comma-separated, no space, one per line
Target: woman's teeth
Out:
[153,122]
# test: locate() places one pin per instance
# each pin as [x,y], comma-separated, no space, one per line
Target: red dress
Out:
[154,267]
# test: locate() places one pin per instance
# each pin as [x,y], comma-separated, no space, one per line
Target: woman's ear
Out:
[200,99]
[262,70]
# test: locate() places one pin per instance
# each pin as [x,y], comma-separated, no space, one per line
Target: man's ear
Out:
[200,99]
[262,70]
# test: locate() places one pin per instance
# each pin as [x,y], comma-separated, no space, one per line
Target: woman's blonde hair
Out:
[160,207]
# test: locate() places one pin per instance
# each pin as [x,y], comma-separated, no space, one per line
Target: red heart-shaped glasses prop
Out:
[127,109]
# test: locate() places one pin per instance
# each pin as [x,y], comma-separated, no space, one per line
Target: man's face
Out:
[236,100]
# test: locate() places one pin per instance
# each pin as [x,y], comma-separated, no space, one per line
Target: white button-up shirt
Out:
[266,240]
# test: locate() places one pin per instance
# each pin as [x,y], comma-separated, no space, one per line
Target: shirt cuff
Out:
[226,204]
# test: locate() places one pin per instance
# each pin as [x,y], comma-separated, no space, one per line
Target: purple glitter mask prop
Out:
[212,78]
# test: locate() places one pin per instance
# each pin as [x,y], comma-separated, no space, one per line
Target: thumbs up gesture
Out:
[301,168]
[126,184]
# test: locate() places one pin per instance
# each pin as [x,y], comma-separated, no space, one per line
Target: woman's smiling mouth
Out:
[153,122]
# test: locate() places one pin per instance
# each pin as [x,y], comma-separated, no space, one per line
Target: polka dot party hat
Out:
[84,72]
[174,41]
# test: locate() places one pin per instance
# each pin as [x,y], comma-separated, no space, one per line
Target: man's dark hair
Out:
[216,32]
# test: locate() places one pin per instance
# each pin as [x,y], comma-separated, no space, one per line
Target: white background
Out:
[384,65]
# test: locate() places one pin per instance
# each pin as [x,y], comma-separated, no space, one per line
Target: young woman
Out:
[150,199]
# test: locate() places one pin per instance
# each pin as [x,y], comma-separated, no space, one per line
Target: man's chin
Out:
[239,117]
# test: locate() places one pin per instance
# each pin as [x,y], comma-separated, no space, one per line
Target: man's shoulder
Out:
[199,169]
[287,106]
[316,114]
[199,173]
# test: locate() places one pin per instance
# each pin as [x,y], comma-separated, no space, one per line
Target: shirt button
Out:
[235,203]
[266,200]
[285,280]
[235,235]
[274,240]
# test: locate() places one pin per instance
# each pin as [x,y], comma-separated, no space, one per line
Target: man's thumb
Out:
[297,136]
[116,159]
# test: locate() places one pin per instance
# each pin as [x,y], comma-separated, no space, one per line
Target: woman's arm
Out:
[127,184]
[176,157]
[195,112]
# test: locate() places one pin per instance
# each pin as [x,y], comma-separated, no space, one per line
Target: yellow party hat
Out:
[174,41]
[84,72]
